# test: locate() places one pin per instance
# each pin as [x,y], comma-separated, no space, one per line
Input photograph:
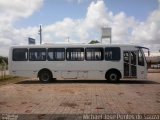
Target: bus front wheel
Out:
[112,77]
[45,76]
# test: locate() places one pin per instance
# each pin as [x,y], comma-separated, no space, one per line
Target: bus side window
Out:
[94,54]
[140,58]
[75,54]
[20,54]
[37,54]
[133,58]
[32,57]
[126,57]
[56,54]
[112,53]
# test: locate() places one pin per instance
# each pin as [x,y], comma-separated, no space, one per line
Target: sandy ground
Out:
[81,97]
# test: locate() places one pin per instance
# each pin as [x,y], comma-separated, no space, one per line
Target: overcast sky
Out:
[132,21]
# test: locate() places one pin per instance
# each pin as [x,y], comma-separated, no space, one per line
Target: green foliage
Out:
[3,58]
[94,42]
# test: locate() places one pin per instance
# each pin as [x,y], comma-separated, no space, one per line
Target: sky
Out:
[132,21]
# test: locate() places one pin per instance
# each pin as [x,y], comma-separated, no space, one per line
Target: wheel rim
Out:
[113,77]
[45,76]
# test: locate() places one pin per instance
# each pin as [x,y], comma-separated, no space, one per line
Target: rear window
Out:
[20,54]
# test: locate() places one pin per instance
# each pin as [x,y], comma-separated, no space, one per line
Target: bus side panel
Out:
[24,69]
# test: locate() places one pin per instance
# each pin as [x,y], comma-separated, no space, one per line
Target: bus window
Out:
[133,58]
[140,58]
[20,54]
[112,53]
[56,54]
[94,54]
[126,57]
[75,54]
[37,54]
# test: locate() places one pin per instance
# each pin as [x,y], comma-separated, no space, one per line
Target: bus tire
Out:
[45,76]
[113,76]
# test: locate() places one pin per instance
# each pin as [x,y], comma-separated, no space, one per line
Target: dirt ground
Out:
[81,97]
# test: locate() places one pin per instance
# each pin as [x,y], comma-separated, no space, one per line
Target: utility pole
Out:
[68,39]
[40,34]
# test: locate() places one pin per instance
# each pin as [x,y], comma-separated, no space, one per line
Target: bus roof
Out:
[76,45]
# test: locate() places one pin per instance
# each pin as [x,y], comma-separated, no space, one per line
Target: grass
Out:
[10,79]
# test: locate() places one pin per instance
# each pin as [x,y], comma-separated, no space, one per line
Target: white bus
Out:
[73,61]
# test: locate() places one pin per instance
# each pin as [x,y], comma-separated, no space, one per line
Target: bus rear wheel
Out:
[45,76]
[112,77]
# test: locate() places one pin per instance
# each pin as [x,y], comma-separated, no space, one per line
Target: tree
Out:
[94,42]
[3,58]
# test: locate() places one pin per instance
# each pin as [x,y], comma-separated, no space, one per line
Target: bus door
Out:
[130,64]
[142,65]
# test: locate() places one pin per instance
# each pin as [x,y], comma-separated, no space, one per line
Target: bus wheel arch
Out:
[113,75]
[45,75]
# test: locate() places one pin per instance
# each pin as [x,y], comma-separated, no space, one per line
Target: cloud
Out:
[79,30]
[88,28]
[78,1]
[11,11]
[148,31]
[18,8]
[125,29]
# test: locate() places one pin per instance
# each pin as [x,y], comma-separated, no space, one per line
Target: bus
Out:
[78,61]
